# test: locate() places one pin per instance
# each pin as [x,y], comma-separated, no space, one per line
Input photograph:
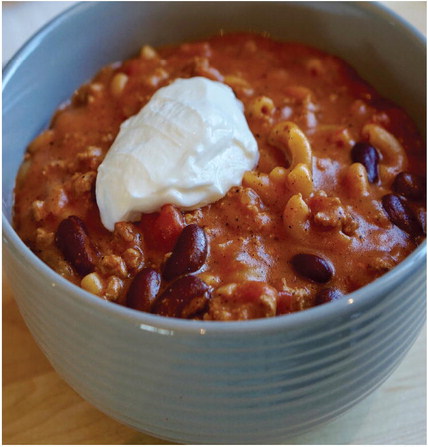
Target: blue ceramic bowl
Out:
[211,382]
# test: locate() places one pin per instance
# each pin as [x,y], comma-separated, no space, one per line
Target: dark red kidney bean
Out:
[313,267]
[189,253]
[143,290]
[327,295]
[72,239]
[401,215]
[186,297]
[368,156]
[409,185]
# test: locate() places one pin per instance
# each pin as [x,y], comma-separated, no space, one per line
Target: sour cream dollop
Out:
[187,147]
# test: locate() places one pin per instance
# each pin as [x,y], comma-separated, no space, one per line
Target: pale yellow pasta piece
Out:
[233,81]
[118,84]
[394,159]
[356,180]
[286,135]
[260,183]
[261,107]
[296,217]
[279,175]
[93,283]
[300,180]
[148,52]
[256,180]
[238,84]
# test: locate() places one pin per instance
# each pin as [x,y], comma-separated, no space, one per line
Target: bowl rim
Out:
[350,303]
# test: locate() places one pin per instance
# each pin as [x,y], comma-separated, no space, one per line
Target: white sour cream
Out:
[187,147]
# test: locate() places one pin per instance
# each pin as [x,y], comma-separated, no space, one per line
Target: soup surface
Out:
[337,198]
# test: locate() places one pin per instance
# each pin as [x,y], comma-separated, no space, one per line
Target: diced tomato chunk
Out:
[162,229]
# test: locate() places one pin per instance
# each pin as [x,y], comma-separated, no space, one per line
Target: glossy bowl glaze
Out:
[259,381]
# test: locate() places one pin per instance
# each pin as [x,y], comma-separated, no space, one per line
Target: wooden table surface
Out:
[39,408]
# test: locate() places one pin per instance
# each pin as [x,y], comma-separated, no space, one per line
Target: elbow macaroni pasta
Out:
[296,217]
[287,136]
[356,180]
[300,180]
[261,107]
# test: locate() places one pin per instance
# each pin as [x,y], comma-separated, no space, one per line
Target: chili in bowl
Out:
[332,199]
[325,169]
